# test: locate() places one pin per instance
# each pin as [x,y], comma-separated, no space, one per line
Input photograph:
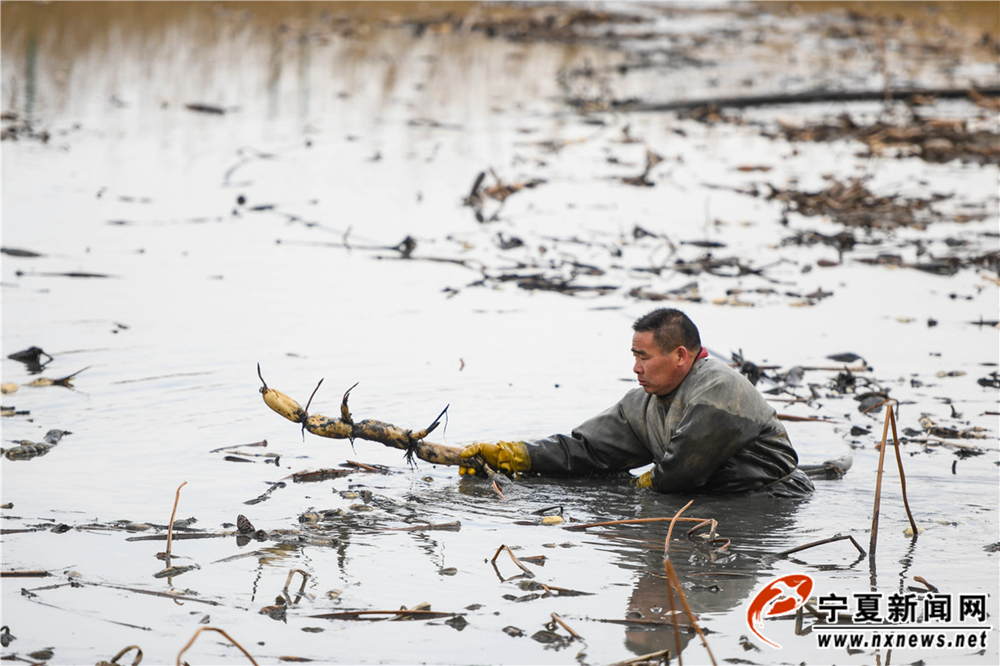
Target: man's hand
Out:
[511,458]
[643,480]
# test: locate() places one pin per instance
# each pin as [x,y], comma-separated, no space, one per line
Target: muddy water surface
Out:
[181,246]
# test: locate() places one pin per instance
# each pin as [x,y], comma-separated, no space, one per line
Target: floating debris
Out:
[205,108]
[26,449]
[32,357]
[62,381]
[15,252]
[170,572]
[266,495]
[136,660]
[499,191]
[935,140]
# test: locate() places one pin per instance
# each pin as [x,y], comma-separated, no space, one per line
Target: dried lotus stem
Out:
[291,573]
[230,638]
[170,528]
[666,544]
[513,557]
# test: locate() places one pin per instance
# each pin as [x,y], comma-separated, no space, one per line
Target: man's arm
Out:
[613,441]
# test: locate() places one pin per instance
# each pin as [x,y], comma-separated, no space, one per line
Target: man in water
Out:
[703,425]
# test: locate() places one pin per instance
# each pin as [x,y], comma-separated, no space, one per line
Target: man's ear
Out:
[683,355]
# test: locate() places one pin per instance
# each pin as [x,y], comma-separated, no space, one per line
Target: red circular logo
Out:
[780,596]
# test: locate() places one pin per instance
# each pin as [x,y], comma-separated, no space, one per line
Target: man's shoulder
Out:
[718,370]
[717,383]
[711,375]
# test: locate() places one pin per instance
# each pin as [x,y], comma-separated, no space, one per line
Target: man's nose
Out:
[636,367]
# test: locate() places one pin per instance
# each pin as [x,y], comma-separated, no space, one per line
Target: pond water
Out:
[269,233]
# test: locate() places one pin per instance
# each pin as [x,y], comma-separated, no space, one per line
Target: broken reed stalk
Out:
[673,613]
[288,580]
[230,638]
[513,557]
[889,419]
[666,544]
[675,584]
[347,615]
[902,477]
[366,468]
[122,653]
[820,543]
[170,527]
[635,521]
[452,526]
[559,621]
[711,522]
[672,576]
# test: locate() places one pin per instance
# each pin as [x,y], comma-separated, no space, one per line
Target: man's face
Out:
[658,373]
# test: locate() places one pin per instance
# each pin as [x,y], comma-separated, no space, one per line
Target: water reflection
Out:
[267,61]
[716,581]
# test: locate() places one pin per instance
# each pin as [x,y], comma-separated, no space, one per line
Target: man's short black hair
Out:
[671,329]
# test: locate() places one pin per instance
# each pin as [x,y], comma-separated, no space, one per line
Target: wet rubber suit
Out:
[715,433]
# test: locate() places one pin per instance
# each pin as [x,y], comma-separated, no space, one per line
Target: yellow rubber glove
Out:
[511,458]
[643,480]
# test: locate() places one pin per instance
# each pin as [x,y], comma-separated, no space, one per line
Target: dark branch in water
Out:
[806,97]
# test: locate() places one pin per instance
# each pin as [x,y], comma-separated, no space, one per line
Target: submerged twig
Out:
[513,557]
[155,593]
[375,469]
[674,585]
[554,591]
[183,536]
[236,447]
[319,475]
[453,526]
[634,521]
[820,543]
[673,609]
[672,575]
[558,620]
[346,615]
[230,638]
[670,583]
